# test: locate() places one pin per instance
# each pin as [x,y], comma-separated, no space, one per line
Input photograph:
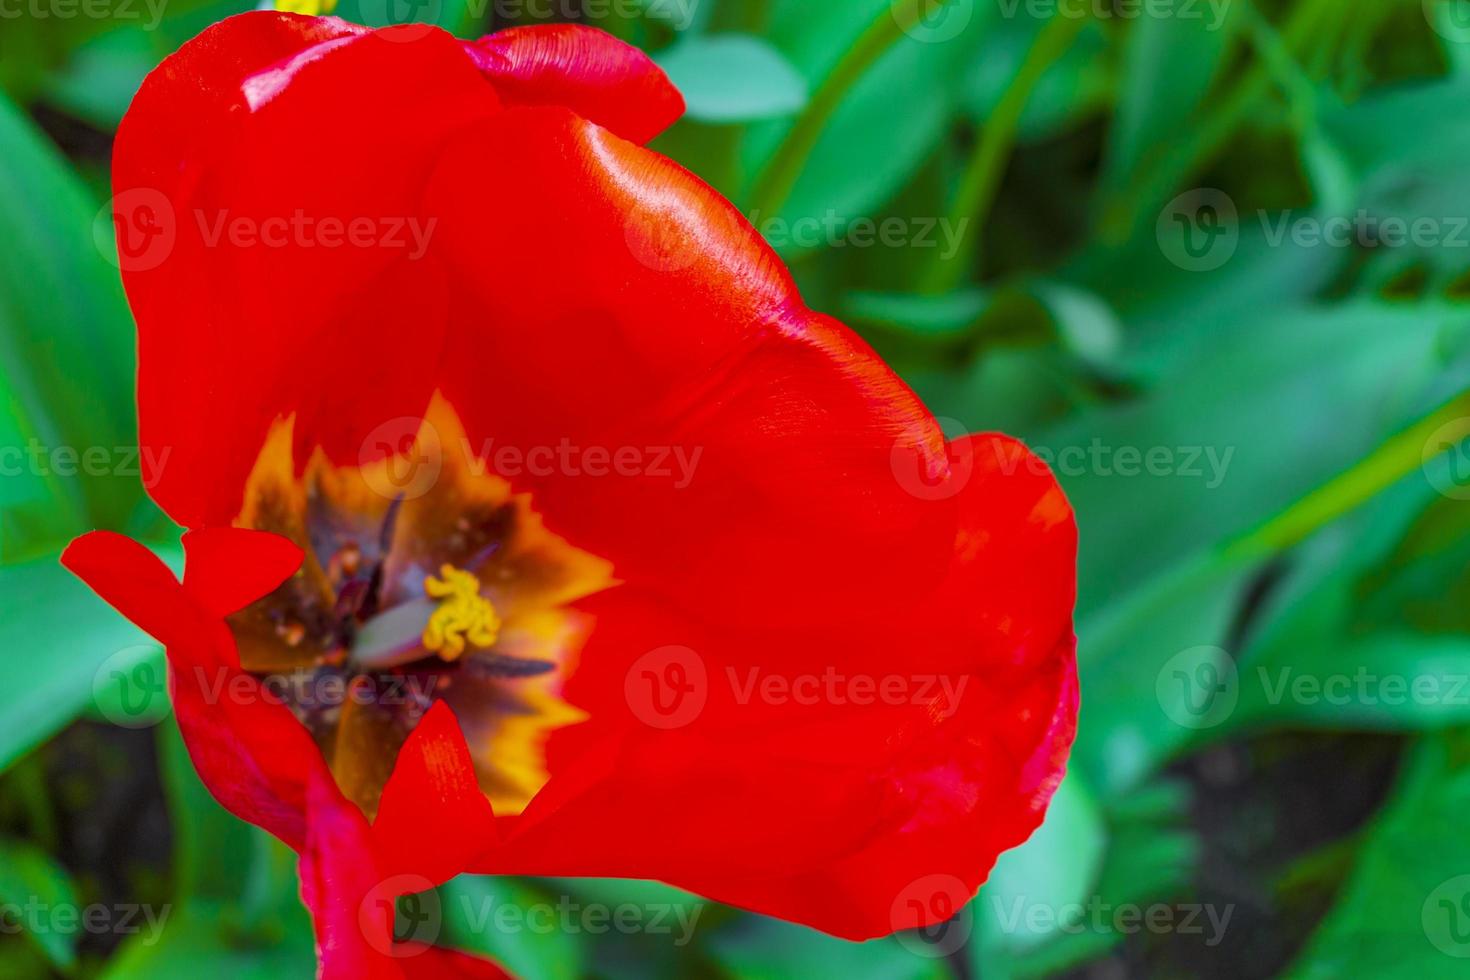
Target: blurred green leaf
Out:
[1055,869]
[1405,911]
[767,949]
[733,78]
[65,345]
[31,881]
[515,923]
[1169,64]
[60,650]
[914,73]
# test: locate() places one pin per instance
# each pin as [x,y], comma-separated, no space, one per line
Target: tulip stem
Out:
[981,180]
[775,183]
[1395,459]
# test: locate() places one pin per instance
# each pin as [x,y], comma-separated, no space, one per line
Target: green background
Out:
[1261,428]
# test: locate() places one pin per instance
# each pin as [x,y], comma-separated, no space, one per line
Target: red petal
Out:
[259,296]
[433,818]
[858,806]
[229,568]
[351,904]
[251,752]
[788,510]
[584,69]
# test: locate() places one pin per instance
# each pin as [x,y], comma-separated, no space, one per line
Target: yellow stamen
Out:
[314,8]
[464,616]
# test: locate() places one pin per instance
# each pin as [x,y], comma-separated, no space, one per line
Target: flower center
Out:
[414,591]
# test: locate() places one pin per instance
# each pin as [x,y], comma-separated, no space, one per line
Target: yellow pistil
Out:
[463,617]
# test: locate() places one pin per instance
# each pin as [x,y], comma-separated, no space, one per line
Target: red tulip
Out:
[621,560]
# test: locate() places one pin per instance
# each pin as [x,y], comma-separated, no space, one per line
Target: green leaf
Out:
[1055,869]
[734,78]
[1405,910]
[62,650]
[1169,64]
[195,940]
[65,348]
[30,879]
[766,949]
[525,928]
[914,74]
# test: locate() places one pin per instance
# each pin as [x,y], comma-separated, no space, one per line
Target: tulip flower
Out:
[534,524]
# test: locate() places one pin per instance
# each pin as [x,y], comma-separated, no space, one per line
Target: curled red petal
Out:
[433,818]
[584,69]
[229,568]
[251,752]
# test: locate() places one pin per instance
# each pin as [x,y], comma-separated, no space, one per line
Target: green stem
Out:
[1388,464]
[776,182]
[982,177]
